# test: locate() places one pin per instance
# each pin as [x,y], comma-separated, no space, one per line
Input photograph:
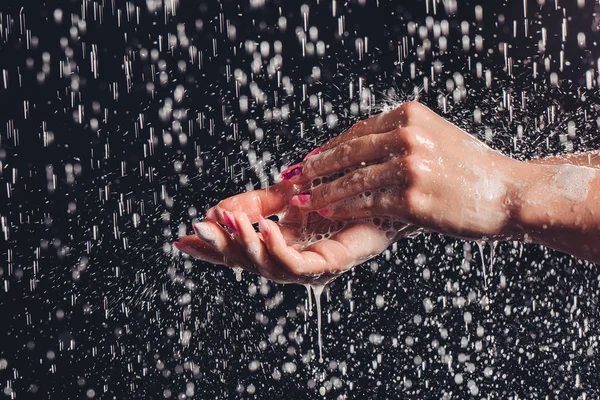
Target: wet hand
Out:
[410,164]
[302,247]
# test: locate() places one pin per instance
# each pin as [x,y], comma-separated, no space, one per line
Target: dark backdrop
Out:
[101,172]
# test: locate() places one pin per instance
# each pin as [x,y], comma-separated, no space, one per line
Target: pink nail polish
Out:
[231,224]
[313,153]
[326,212]
[292,172]
[178,246]
[300,200]
[262,226]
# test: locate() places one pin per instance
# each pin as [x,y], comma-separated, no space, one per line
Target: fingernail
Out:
[326,212]
[291,172]
[300,199]
[231,224]
[262,226]
[203,232]
[313,153]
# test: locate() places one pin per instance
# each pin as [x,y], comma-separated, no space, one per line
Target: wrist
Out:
[525,210]
[545,199]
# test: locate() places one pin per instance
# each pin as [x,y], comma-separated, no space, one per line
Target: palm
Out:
[301,247]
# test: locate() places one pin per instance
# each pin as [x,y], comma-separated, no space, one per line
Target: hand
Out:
[303,247]
[411,165]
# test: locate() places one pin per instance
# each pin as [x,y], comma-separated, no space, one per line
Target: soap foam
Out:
[572,182]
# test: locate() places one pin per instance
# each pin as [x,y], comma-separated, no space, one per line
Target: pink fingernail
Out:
[231,224]
[313,153]
[326,212]
[292,171]
[300,200]
[262,226]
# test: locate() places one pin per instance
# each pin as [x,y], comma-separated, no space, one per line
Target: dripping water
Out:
[481,244]
[309,300]
[318,290]
[238,274]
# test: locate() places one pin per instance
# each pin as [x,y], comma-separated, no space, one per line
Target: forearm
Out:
[588,159]
[558,205]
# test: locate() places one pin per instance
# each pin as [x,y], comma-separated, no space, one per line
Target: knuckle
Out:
[407,137]
[363,177]
[412,109]
[383,202]
[410,137]
[407,170]
[411,164]
[345,149]
[414,201]
[371,142]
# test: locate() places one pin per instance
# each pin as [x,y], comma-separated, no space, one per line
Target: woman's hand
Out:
[303,247]
[388,177]
[411,165]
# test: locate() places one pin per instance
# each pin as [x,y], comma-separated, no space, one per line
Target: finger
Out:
[380,123]
[324,257]
[409,217]
[222,242]
[356,152]
[197,248]
[363,180]
[256,250]
[264,202]
[378,203]
[378,209]
[296,263]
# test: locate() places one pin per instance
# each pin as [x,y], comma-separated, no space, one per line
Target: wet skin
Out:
[392,176]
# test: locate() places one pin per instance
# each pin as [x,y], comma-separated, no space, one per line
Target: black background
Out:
[76,270]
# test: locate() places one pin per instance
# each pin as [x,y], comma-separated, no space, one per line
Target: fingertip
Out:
[263,226]
[211,213]
[196,227]
[215,213]
[196,249]
[204,232]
